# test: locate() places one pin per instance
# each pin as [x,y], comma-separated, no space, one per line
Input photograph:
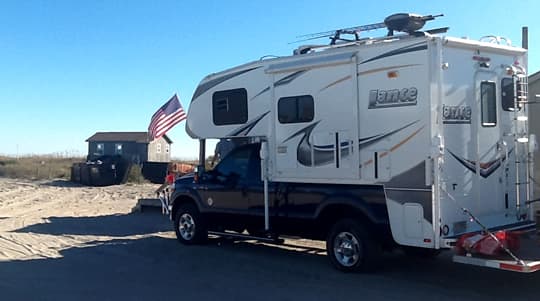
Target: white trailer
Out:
[439,122]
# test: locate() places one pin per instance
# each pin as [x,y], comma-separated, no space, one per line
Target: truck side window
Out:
[236,163]
[488,102]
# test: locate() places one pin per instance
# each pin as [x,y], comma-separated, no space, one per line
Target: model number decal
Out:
[457,114]
[392,98]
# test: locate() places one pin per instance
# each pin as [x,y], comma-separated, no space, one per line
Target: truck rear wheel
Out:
[189,225]
[350,248]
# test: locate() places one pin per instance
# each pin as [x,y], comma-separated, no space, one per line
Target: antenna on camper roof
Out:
[402,22]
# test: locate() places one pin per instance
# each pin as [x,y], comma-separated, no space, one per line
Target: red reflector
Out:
[427,240]
[392,74]
[512,267]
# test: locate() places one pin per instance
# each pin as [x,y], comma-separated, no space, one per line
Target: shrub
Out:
[135,175]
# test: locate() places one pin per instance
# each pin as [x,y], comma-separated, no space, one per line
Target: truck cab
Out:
[229,200]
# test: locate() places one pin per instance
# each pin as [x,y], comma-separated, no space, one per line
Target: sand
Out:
[60,241]
[26,206]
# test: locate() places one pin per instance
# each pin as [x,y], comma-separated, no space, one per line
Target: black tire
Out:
[424,253]
[189,225]
[350,248]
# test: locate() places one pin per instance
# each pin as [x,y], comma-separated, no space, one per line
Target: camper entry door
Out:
[475,171]
[316,124]
[489,161]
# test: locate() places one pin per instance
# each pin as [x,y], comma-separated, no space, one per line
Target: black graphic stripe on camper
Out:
[260,93]
[486,168]
[316,155]
[289,78]
[406,49]
[246,128]
[216,81]
[364,142]
[284,81]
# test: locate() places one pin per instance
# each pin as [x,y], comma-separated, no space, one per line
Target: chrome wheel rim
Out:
[186,226]
[347,249]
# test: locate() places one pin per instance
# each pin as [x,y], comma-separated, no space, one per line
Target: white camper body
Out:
[428,118]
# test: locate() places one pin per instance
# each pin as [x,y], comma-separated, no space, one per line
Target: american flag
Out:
[165,118]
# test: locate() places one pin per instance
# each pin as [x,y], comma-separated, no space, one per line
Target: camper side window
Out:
[507,94]
[296,109]
[488,101]
[229,107]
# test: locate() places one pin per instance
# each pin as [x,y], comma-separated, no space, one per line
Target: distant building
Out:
[133,146]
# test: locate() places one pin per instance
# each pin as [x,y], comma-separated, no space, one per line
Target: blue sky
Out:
[72,68]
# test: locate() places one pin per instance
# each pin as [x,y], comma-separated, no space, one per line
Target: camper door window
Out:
[229,107]
[488,101]
[296,109]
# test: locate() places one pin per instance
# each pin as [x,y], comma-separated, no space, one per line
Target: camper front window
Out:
[230,107]
[488,101]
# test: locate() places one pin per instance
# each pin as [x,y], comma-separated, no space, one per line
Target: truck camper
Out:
[429,131]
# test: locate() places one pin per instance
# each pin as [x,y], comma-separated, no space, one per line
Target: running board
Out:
[273,240]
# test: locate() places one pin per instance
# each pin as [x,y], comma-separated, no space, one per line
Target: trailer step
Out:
[270,239]
[528,253]
[508,265]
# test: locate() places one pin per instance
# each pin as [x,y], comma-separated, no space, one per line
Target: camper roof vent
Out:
[402,22]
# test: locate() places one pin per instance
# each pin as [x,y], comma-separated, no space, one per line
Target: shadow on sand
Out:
[118,225]
[62,183]
[158,268]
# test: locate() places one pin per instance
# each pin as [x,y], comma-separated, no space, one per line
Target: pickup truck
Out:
[352,219]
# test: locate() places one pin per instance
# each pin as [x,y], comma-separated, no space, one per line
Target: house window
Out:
[100,149]
[296,109]
[158,148]
[118,149]
[167,148]
[230,107]
[488,102]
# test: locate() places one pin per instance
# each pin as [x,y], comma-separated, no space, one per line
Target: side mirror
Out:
[210,175]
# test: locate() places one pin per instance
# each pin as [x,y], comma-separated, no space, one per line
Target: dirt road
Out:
[65,242]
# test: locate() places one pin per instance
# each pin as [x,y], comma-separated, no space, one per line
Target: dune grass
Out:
[37,167]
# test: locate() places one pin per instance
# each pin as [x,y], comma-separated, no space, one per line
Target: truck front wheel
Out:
[189,225]
[350,248]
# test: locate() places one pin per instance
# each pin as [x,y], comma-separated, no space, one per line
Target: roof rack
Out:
[401,22]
